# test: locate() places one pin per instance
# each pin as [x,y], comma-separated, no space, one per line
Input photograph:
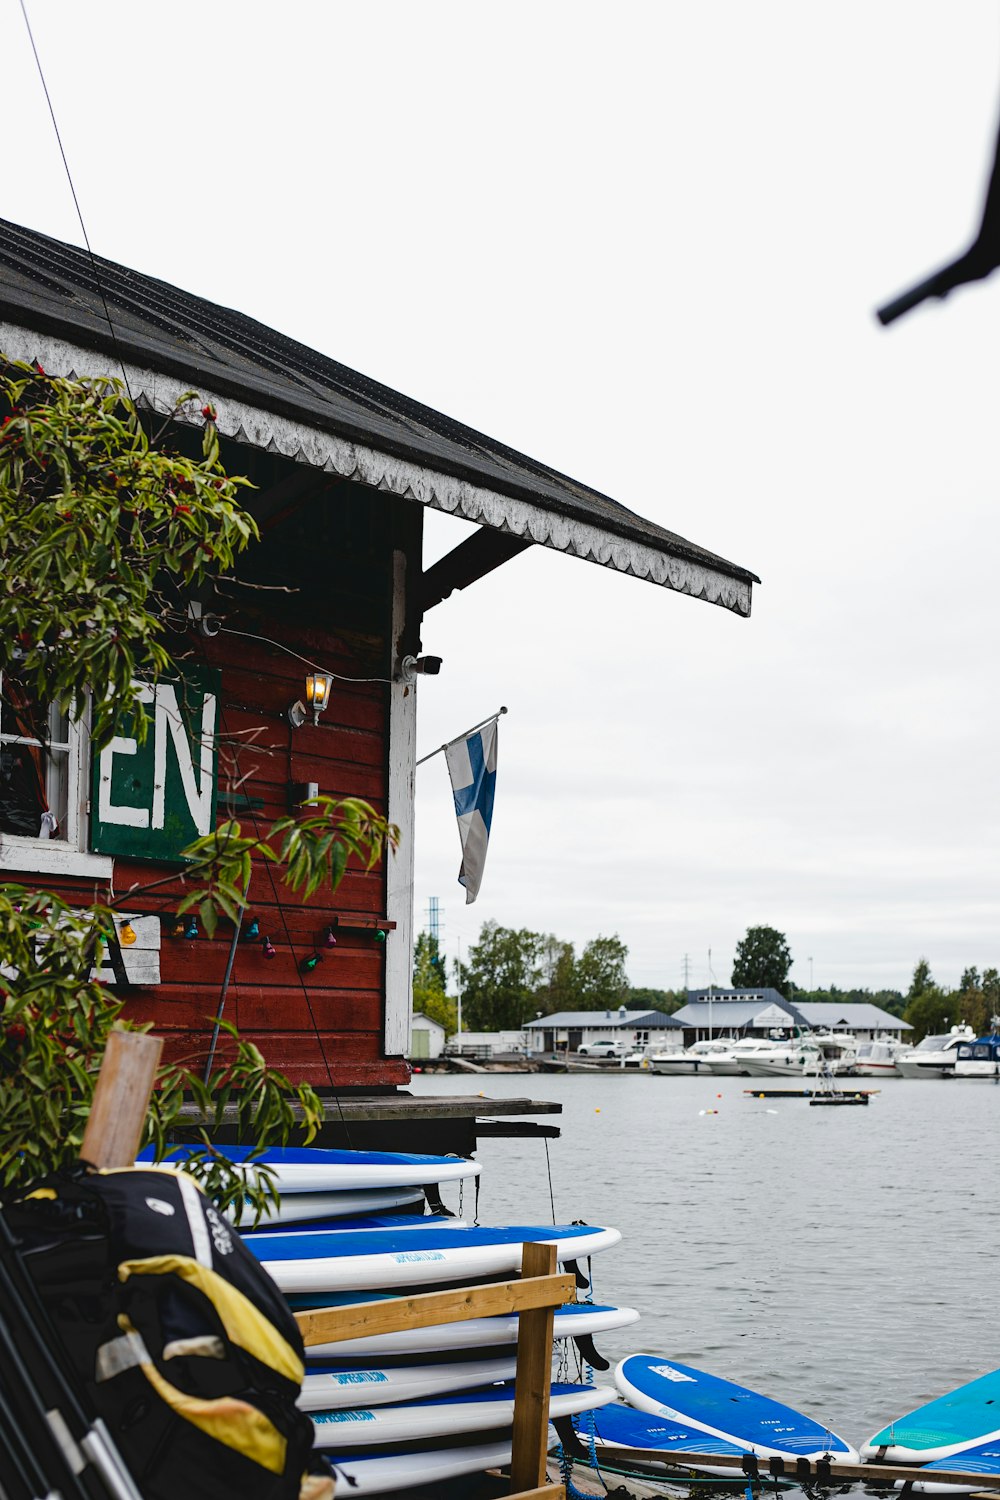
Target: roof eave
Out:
[266,427]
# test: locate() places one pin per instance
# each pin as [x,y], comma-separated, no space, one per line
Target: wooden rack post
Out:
[121,1099]
[534,1377]
[538,1292]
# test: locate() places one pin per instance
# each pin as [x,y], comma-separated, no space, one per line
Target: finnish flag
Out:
[472,766]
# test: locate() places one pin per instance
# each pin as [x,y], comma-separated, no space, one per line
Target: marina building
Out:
[568,1030]
[765,1012]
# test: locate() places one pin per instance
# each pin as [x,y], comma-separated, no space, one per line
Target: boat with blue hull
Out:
[979,1058]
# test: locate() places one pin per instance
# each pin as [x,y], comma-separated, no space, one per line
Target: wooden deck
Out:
[436,1124]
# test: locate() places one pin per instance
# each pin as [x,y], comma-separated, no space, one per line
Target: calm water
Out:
[840,1260]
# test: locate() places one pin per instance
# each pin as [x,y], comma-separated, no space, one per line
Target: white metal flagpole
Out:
[431,754]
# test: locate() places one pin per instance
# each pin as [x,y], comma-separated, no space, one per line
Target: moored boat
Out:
[934,1057]
[693,1059]
[744,1057]
[879,1058]
[814,1052]
[979,1058]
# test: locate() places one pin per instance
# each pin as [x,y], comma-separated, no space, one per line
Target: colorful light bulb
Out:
[270,951]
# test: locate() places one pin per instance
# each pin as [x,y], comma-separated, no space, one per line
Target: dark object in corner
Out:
[982,257]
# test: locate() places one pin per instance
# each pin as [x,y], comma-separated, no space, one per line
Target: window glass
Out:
[34,764]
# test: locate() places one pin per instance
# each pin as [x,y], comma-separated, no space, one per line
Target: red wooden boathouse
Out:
[343,469]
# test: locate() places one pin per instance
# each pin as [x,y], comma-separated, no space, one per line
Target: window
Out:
[43,800]
[147,801]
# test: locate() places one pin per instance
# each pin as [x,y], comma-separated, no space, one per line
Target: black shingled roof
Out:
[50,287]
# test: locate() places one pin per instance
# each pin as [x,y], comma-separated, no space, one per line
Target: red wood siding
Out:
[325,1026]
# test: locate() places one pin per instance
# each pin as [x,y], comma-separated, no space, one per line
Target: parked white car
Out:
[604,1048]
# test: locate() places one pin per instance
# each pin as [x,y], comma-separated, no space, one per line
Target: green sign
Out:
[151,800]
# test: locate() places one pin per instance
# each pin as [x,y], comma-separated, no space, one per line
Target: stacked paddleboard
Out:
[417,1406]
[958,1433]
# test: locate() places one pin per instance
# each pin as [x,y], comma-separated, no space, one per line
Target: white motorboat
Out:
[978,1059]
[934,1057]
[878,1059]
[693,1059]
[744,1056]
[814,1052]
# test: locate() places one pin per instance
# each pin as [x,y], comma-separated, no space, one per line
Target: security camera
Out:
[411,666]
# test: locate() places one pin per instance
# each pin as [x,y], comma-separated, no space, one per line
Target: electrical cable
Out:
[337,676]
[76,201]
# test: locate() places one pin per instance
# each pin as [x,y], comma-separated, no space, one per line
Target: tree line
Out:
[513,975]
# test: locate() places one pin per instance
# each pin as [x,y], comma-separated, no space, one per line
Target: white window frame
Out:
[68,855]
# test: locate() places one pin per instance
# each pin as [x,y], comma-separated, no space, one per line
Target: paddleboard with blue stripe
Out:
[968,1415]
[309,1207]
[343,1383]
[981,1459]
[476,1411]
[403,1470]
[361,1221]
[309,1169]
[623,1427]
[575,1320]
[722,1409]
[377,1258]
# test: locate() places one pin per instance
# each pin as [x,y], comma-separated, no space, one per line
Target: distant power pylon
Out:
[687,972]
[433,918]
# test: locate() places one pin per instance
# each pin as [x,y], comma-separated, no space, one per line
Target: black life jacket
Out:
[184,1344]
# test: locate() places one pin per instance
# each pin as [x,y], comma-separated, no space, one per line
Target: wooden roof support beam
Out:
[471,560]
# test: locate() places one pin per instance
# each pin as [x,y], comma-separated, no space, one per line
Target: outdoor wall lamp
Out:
[318,689]
[318,686]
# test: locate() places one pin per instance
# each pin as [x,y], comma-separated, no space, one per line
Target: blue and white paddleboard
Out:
[968,1415]
[575,1320]
[342,1383]
[718,1407]
[309,1169]
[623,1427]
[298,1207]
[360,1221]
[402,1471]
[981,1459]
[478,1411]
[376,1258]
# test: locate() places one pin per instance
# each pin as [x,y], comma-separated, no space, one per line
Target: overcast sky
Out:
[643,244]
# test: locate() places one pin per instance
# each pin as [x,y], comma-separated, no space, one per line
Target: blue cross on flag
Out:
[472,766]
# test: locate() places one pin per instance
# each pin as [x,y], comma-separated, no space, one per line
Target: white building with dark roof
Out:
[566,1030]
